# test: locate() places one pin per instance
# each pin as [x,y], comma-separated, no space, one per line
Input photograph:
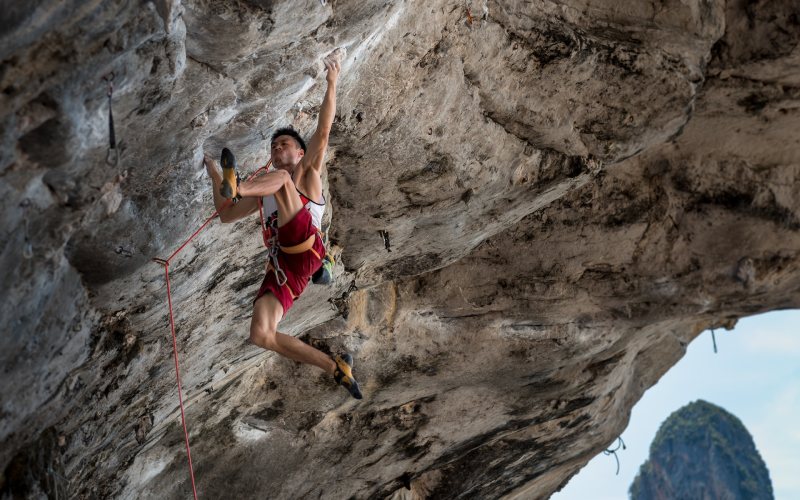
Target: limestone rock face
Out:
[702,451]
[535,207]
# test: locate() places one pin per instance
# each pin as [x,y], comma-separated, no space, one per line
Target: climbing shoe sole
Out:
[229,178]
[344,375]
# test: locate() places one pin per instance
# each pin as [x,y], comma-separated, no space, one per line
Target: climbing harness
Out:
[165,263]
[112,156]
[272,245]
[613,451]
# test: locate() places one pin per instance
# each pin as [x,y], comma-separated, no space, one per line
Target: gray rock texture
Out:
[702,451]
[571,192]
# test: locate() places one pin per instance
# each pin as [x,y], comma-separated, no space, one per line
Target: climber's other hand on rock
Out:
[332,66]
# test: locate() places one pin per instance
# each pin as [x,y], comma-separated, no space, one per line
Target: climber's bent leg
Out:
[267,312]
[228,212]
[280,184]
[216,181]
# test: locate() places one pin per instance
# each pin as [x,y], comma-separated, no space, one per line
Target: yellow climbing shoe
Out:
[344,374]
[230,179]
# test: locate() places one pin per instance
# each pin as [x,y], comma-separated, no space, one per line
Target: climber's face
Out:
[286,152]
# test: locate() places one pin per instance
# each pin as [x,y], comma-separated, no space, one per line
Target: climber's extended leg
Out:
[267,312]
[276,296]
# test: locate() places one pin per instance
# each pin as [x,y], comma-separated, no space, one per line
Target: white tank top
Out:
[271,210]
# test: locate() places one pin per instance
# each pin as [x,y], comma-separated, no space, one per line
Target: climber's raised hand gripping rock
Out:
[293,205]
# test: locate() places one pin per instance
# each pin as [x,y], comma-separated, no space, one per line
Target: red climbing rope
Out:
[178,375]
[165,263]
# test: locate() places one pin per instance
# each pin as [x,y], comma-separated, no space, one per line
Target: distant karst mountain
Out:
[702,452]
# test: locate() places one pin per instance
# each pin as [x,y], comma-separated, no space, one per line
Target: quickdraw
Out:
[112,156]
[613,451]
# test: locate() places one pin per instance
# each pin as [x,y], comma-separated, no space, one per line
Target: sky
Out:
[755,375]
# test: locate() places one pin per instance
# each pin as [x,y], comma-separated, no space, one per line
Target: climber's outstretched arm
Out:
[315,152]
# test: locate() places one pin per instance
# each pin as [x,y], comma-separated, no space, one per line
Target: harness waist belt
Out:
[302,247]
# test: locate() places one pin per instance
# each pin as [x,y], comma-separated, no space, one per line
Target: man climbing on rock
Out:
[294,203]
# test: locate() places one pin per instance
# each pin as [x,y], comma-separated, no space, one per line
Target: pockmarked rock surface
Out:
[702,451]
[535,207]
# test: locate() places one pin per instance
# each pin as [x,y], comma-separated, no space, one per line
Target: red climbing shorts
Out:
[298,267]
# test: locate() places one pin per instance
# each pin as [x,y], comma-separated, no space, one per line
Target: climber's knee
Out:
[262,337]
[264,325]
[285,177]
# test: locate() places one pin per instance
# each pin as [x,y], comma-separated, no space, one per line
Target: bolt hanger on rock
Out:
[27,249]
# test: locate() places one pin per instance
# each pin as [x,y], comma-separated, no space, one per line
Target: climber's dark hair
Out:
[291,132]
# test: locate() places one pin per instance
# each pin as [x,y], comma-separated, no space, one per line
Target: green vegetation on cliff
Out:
[702,451]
